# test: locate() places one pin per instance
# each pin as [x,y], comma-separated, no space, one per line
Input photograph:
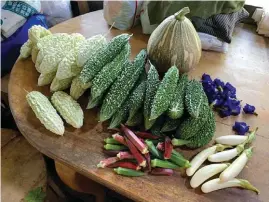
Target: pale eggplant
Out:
[206,172]
[197,161]
[237,166]
[216,184]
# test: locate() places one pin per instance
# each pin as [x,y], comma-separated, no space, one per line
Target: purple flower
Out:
[206,78]
[225,112]
[219,84]
[229,89]
[249,109]
[217,102]
[240,127]
[236,110]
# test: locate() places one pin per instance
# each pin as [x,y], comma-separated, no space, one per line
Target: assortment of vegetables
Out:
[177,111]
[229,171]
[138,153]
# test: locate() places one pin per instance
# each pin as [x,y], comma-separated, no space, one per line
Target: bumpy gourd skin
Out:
[105,55]
[45,112]
[152,85]
[110,72]
[199,131]
[35,33]
[176,108]
[205,134]
[136,99]
[195,98]
[121,88]
[52,50]
[165,93]
[86,50]
[69,109]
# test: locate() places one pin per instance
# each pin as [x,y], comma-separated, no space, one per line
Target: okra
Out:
[163,164]
[128,172]
[114,147]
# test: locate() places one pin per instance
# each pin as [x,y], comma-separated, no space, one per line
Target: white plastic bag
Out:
[210,42]
[147,28]
[56,11]
[124,14]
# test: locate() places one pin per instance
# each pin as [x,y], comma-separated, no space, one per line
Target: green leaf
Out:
[35,195]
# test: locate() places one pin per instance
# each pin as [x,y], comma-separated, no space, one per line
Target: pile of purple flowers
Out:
[222,97]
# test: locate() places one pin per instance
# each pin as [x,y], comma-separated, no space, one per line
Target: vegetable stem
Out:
[179,142]
[180,15]
[117,137]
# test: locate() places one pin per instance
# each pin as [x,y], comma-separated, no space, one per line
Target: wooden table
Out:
[246,66]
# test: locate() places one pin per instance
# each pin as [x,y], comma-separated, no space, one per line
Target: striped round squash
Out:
[175,42]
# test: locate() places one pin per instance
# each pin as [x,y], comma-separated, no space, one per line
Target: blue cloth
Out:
[10,47]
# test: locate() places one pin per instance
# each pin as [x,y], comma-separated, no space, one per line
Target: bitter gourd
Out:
[191,126]
[45,112]
[136,99]
[110,72]
[176,108]
[135,120]
[86,49]
[58,85]
[165,93]
[78,88]
[102,57]
[170,125]
[122,86]
[205,134]
[120,116]
[194,98]
[94,102]
[45,79]
[69,109]
[152,85]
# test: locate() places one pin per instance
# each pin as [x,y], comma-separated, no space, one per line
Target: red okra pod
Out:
[138,156]
[146,135]
[162,171]
[125,155]
[134,139]
[106,162]
[111,152]
[168,147]
[119,138]
[125,164]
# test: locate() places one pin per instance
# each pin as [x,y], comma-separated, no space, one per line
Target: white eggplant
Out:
[206,172]
[197,161]
[216,184]
[237,166]
[226,155]
[234,140]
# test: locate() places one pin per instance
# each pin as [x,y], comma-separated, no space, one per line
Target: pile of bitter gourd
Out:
[123,90]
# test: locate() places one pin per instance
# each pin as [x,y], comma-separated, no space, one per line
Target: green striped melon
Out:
[175,42]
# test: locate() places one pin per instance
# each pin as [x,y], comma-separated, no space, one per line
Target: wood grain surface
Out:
[246,66]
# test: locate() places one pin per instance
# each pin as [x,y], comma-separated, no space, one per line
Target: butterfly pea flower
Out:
[206,78]
[241,128]
[219,84]
[249,109]
[224,112]
[229,89]
[236,110]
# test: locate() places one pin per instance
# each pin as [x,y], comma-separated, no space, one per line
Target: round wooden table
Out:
[245,65]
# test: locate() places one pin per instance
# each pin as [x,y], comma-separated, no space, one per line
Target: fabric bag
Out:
[123,15]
